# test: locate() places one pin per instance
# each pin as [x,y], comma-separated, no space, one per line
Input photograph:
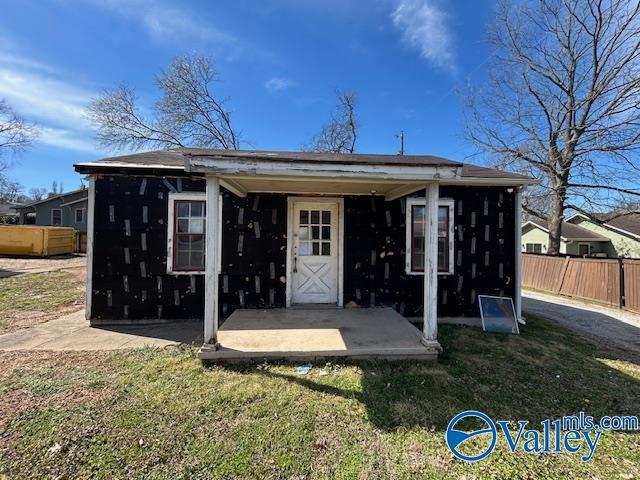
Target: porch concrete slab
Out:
[306,334]
[73,333]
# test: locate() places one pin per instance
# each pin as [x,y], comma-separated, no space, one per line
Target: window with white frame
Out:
[415,212]
[186,233]
[533,248]
[56,216]
[176,208]
[79,215]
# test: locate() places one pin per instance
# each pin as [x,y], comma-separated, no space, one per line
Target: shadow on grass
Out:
[546,372]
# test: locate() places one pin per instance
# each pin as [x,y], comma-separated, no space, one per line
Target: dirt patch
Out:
[28,300]
[16,266]
[12,361]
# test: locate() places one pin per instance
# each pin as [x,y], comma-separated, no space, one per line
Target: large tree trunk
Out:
[554,222]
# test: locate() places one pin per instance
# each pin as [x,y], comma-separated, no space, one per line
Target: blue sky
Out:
[280,63]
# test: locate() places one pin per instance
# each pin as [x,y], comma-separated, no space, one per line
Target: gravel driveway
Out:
[607,326]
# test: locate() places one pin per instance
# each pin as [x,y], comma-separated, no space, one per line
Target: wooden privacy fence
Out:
[614,282]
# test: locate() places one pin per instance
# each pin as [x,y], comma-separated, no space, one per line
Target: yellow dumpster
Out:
[36,240]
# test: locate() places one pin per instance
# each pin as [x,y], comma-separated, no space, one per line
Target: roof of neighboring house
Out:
[53,197]
[628,223]
[570,232]
[178,158]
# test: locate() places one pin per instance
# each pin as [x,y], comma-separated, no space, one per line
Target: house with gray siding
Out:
[60,210]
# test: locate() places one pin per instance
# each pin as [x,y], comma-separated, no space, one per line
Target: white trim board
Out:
[420,201]
[239,167]
[91,206]
[518,254]
[173,197]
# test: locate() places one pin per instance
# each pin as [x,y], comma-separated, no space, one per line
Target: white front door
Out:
[315,251]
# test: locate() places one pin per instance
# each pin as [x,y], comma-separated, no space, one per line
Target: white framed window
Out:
[56,216]
[533,248]
[79,215]
[186,233]
[415,216]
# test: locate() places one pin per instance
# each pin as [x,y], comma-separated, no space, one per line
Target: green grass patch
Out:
[168,416]
[32,298]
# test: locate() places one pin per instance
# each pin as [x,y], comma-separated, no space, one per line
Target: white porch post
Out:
[430,301]
[518,254]
[211,263]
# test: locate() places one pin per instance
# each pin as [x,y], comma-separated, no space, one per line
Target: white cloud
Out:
[424,26]
[173,23]
[67,139]
[276,84]
[43,97]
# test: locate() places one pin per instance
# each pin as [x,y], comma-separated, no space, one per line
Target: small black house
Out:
[197,233]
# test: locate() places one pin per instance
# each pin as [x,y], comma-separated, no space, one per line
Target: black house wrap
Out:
[375,243]
[130,279]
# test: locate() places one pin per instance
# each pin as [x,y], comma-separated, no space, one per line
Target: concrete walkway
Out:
[614,327]
[72,333]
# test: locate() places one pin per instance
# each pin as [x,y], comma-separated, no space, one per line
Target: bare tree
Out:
[16,134]
[562,103]
[10,191]
[37,193]
[341,133]
[56,189]
[187,114]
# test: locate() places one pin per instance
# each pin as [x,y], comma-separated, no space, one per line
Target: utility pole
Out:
[401,137]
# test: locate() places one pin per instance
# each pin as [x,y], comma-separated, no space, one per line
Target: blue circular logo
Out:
[455,438]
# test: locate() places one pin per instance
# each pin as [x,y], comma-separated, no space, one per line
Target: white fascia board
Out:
[73,202]
[577,215]
[599,239]
[237,167]
[130,165]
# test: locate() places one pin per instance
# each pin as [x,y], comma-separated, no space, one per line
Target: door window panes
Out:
[314,233]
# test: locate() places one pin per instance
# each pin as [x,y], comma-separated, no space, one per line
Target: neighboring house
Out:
[283,229]
[8,213]
[574,239]
[59,210]
[622,231]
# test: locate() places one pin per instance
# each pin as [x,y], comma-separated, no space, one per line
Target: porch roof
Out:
[243,171]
